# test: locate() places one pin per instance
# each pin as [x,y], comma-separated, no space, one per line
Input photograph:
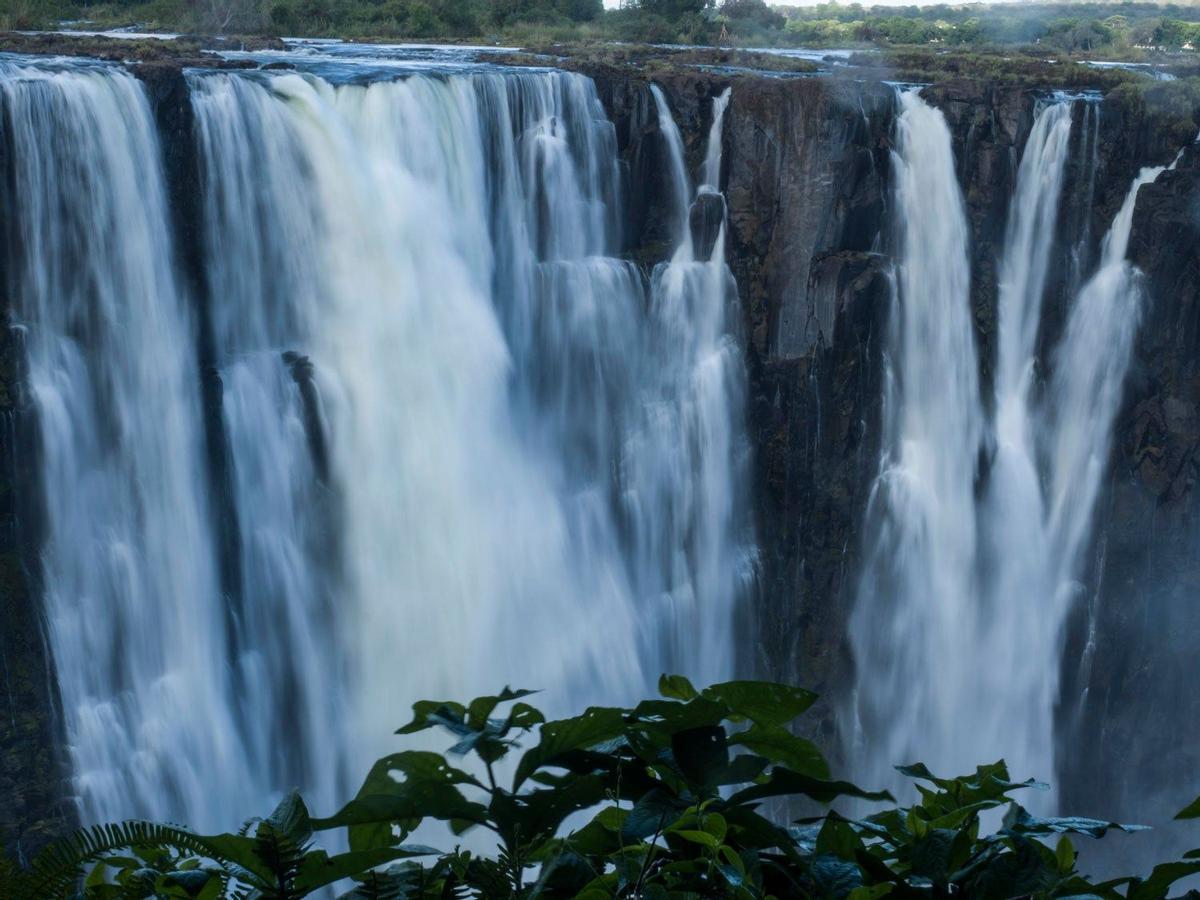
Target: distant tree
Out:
[1142,33]
[674,10]
[1174,33]
[1079,34]
[755,11]
[225,16]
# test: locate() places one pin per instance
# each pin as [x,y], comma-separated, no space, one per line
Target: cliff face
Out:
[807,184]
[805,174]
[1134,668]
[806,181]
[808,167]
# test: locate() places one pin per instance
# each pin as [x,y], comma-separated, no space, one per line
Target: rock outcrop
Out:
[806,183]
[1131,663]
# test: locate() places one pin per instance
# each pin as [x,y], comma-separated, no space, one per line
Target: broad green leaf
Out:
[654,811]
[1064,852]
[714,824]
[481,708]
[837,837]
[602,835]
[1191,811]
[1029,868]
[731,858]
[676,687]
[873,868]
[192,882]
[291,819]
[785,783]
[932,855]
[871,892]
[541,813]
[989,782]
[833,877]
[781,746]
[1158,884]
[318,869]
[523,716]
[698,837]
[701,753]
[1021,821]
[663,718]
[370,817]
[596,725]
[763,702]
[743,768]
[430,713]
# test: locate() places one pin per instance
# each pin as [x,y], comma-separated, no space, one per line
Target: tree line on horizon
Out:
[1122,28]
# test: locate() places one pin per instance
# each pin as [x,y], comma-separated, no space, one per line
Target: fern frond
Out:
[57,869]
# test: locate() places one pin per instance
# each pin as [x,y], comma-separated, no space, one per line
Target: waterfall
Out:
[681,185]
[958,629]
[466,537]
[468,445]
[1018,629]
[917,667]
[262,243]
[692,305]
[712,156]
[135,619]
[1085,391]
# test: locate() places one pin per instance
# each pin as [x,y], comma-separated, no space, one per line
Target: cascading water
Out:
[263,245]
[959,626]
[1090,365]
[917,670]
[681,186]
[692,305]
[134,614]
[468,445]
[1019,627]
[711,176]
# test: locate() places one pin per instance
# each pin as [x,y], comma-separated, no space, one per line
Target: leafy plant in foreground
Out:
[665,799]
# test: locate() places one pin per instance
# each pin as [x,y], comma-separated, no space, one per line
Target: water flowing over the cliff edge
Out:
[912,622]
[134,616]
[977,523]
[467,443]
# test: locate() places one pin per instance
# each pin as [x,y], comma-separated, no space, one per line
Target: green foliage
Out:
[1076,27]
[1170,108]
[666,800]
[1137,31]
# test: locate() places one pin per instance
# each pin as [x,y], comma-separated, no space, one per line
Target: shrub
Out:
[676,790]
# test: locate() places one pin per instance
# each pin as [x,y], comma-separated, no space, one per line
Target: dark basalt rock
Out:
[807,190]
[807,164]
[302,371]
[1135,667]
[705,219]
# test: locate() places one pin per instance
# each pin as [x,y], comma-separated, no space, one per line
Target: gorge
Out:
[407,374]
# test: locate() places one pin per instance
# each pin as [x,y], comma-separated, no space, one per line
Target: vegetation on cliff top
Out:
[666,799]
[1133,30]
